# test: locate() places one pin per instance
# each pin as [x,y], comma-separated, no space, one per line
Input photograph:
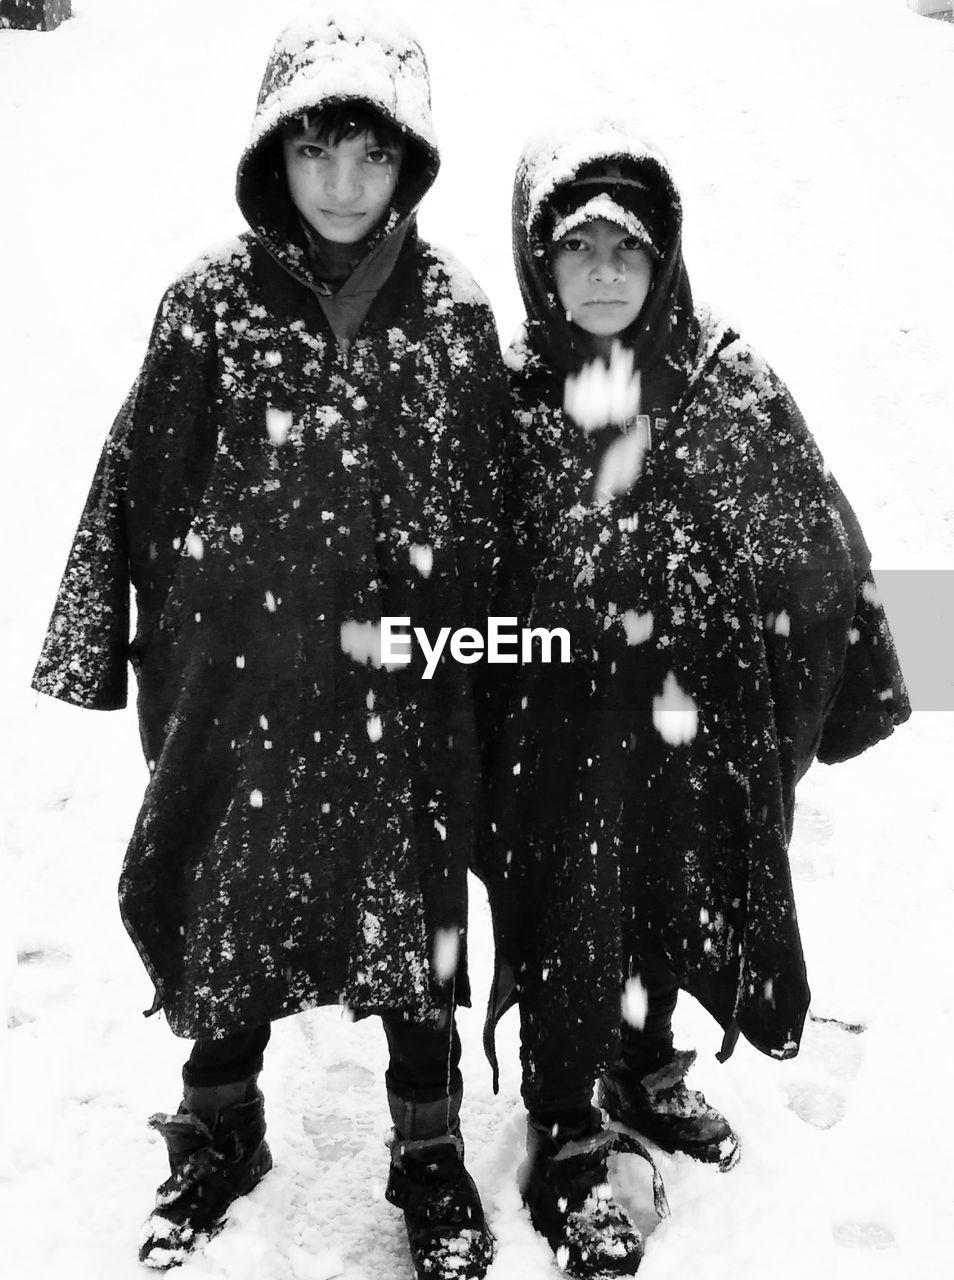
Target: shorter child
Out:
[726,632]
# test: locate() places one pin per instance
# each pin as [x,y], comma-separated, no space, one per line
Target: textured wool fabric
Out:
[309,818]
[725,632]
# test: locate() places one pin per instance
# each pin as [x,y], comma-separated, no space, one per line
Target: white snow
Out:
[605,207]
[811,143]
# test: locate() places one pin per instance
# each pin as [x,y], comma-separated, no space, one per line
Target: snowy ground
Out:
[812,140]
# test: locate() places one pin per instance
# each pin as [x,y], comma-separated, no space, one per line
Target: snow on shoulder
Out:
[450,275]
[558,150]
[345,51]
[231,253]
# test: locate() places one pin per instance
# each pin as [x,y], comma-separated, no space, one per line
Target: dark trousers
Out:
[554,1089]
[423,1079]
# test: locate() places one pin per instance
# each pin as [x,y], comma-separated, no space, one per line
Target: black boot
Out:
[661,1108]
[446,1230]
[564,1183]
[213,1158]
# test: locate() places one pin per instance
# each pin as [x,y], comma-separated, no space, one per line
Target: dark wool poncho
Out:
[725,632]
[308,822]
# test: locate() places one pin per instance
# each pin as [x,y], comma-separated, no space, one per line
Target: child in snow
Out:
[309,446]
[670,509]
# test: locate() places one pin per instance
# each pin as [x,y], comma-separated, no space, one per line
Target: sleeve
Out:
[84,654]
[872,699]
[837,685]
[86,649]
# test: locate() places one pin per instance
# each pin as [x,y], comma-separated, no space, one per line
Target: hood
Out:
[665,329]
[333,53]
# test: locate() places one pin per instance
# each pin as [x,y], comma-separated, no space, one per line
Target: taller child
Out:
[310,445]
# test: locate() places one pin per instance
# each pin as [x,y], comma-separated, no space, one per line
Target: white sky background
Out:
[812,143]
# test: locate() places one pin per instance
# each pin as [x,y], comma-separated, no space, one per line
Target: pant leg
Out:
[557,1071]
[226,1060]
[423,1080]
[645,1049]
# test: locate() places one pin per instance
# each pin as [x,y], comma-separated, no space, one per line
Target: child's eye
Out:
[311,150]
[631,244]
[379,155]
[571,244]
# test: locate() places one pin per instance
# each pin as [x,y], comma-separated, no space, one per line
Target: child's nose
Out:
[608,269]
[342,180]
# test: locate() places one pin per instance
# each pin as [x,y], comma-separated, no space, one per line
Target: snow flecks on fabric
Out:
[675,715]
[606,208]
[231,252]
[604,393]
[365,52]
[455,278]
[194,545]
[571,140]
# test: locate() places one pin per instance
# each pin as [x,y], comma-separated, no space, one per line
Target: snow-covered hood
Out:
[334,53]
[551,159]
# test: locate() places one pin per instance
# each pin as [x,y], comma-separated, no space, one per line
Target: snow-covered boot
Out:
[565,1186]
[661,1108]
[213,1159]
[446,1230]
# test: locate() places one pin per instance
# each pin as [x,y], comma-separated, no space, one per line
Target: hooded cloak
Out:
[725,632]
[270,492]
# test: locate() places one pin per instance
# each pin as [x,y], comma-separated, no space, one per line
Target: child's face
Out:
[343,189]
[602,276]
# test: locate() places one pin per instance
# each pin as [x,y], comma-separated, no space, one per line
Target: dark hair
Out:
[344,120]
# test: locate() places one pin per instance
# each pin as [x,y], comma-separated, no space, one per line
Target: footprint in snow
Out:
[816,1105]
[36,955]
[333,1135]
[830,1056]
[863,1235]
[349,1075]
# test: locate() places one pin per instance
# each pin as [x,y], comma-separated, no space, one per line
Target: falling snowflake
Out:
[638,626]
[446,953]
[675,715]
[278,423]
[422,558]
[634,1003]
